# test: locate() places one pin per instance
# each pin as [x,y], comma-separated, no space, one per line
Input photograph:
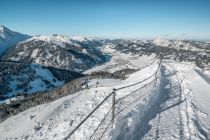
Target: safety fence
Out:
[117,103]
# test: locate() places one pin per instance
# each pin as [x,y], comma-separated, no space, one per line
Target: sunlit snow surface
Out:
[175,109]
[121,61]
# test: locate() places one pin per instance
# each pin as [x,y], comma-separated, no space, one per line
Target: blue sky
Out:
[144,19]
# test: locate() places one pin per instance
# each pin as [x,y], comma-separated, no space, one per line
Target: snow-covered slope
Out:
[172,114]
[164,111]
[57,51]
[9,38]
[181,44]
[161,42]
[179,50]
[56,119]
[23,79]
[173,106]
[120,61]
[198,84]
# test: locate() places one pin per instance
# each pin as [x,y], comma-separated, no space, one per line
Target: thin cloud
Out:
[184,34]
[166,35]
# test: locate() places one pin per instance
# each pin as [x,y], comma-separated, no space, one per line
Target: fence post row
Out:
[113,94]
[113,106]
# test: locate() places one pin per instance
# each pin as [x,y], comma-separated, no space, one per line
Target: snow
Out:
[35,81]
[37,85]
[9,38]
[79,38]
[53,54]
[107,82]
[200,85]
[176,107]
[85,51]
[53,115]
[22,123]
[177,44]
[60,40]
[58,118]
[34,53]
[120,61]
[161,42]
[167,114]
[46,74]
[20,53]
[197,84]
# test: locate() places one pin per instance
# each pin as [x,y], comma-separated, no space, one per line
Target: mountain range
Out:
[26,59]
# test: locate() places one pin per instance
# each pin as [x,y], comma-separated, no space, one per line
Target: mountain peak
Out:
[161,41]
[3,29]
[8,38]
[79,38]
[1,26]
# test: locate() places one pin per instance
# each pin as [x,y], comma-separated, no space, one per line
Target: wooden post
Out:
[113,106]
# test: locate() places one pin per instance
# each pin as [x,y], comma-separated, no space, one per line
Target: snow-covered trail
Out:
[162,112]
[57,119]
[196,86]
[165,110]
[171,114]
[54,120]
[172,120]
[168,111]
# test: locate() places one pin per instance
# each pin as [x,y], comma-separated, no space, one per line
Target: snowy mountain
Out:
[58,51]
[21,79]
[182,44]
[9,38]
[161,42]
[161,91]
[179,50]
[171,107]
